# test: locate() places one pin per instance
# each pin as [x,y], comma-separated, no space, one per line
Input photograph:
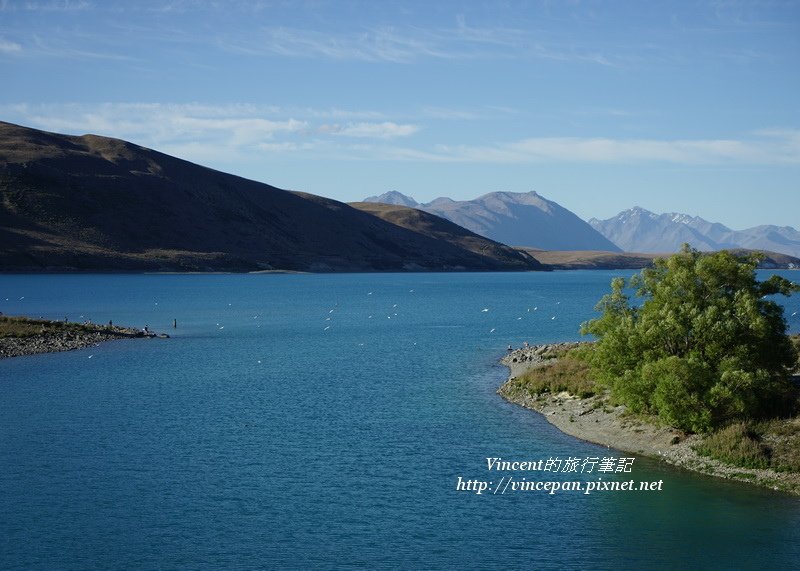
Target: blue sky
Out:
[673,106]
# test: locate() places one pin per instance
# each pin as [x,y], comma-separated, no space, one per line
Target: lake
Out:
[306,421]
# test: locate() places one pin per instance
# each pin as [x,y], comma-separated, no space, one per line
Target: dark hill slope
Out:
[95,203]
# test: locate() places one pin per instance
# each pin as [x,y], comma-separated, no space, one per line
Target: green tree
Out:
[703,346]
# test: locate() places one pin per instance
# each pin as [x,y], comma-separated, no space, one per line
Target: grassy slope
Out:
[95,203]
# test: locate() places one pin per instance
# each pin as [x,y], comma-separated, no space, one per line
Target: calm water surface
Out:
[297,421]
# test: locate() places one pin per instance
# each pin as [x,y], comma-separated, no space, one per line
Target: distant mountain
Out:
[513,218]
[393,197]
[95,203]
[640,230]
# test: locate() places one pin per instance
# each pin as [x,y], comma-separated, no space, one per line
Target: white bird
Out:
[484,310]
[369,293]
[328,327]
[90,356]
[519,318]
[795,313]
[492,330]
[395,305]
[370,317]
[331,311]
[222,327]
[535,308]
[259,362]
[553,317]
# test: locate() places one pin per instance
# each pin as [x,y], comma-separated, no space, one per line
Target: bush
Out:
[736,444]
[705,348]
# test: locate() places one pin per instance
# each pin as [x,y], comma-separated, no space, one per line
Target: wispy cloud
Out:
[407,44]
[7,47]
[385,130]
[241,132]
[760,148]
[49,6]
[207,132]
[384,44]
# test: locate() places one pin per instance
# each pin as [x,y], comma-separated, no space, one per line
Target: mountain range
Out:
[101,204]
[97,203]
[640,230]
[513,218]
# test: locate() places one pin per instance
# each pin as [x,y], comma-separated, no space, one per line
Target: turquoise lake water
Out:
[257,438]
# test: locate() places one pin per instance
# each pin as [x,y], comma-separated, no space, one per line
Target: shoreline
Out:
[593,420]
[58,336]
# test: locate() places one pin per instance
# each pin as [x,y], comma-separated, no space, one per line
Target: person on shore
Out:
[174,323]
[110,324]
[510,348]
[146,329]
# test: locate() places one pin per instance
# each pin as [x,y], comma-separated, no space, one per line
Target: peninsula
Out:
[543,378]
[25,336]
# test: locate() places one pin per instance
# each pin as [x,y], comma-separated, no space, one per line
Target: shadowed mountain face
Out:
[640,230]
[514,218]
[95,203]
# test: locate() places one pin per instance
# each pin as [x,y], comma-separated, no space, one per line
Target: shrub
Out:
[704,348]
[736,444]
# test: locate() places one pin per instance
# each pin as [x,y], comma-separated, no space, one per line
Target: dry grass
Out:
[17,327]
[773,444]
[782,438]
[566,373]
[737,445]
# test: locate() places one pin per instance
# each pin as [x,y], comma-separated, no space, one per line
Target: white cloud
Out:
[7,47]
[385,130]
[406,44]
[52,6]
[240,132]
[378,44]
[763,147]
[216,135]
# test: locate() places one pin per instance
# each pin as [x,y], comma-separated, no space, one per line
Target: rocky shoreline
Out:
[74,336]
[594,420]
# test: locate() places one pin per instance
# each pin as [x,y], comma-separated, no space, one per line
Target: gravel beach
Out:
[54,336]
[594,420]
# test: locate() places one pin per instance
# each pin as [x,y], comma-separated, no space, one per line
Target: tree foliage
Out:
[702,348]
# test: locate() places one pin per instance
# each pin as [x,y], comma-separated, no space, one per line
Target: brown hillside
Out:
[95,203]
